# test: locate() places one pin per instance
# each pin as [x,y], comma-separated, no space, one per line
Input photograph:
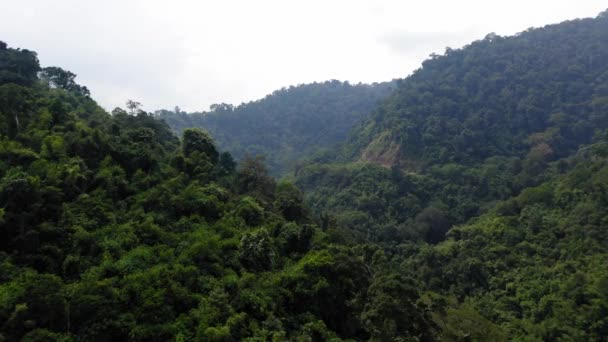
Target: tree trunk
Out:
[17,120]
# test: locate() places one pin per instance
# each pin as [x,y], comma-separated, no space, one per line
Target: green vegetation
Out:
[536,263]
[113,229]
[540,92]
[472,205]
[471,127]
[288,125]
[485,173]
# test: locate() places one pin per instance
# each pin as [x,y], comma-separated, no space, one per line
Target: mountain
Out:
[113,229]
[485,173]
[542,91]
[471,204]
[535,264]
[472,126]
[287,125]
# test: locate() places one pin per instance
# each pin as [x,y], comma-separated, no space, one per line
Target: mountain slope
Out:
[112,229]
[536,264]
[543,91]
[472,126]
[287,125]
[504,118]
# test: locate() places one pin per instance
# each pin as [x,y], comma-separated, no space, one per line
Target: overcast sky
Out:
[196,53]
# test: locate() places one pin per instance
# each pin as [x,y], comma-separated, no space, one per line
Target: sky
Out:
[193,54]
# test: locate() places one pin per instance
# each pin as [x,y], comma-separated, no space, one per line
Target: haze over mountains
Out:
[288,125]
[482,123]
[468,201]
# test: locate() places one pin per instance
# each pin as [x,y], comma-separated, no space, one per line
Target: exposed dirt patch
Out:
[381,151]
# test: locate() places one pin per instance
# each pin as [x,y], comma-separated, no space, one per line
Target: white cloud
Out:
[195,53]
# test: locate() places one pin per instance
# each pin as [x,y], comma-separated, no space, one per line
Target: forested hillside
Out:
[470,205]
[542,91]
[112,229]
[510,128]
[536,264]
[470,127]
[287,125]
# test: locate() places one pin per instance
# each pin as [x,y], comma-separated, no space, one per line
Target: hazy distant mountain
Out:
[287,125]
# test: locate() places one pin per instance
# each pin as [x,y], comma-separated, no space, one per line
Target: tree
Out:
[134,107]
[198,141]
[256,251]
[432,224]
[20,198]
[393,310]
[253,179]
[221,107]
[14,102]
[18,66]
[56,77]
[289,201]
[227,163]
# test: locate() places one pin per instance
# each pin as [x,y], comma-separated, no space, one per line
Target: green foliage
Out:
[250,211]
[471,127]
[506,96]
[532,265]
[59,78]
[256,251]
[197,141]
[17,66]
[15,101]
[477,174]
[289,201]
[392,310]
[252,179]
[489,224]
[287,125]
[110,232]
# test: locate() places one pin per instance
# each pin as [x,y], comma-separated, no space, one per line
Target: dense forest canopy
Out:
[472,204]
[113,229]
[287,125]
[499,120]
[542,91]
[472,126]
